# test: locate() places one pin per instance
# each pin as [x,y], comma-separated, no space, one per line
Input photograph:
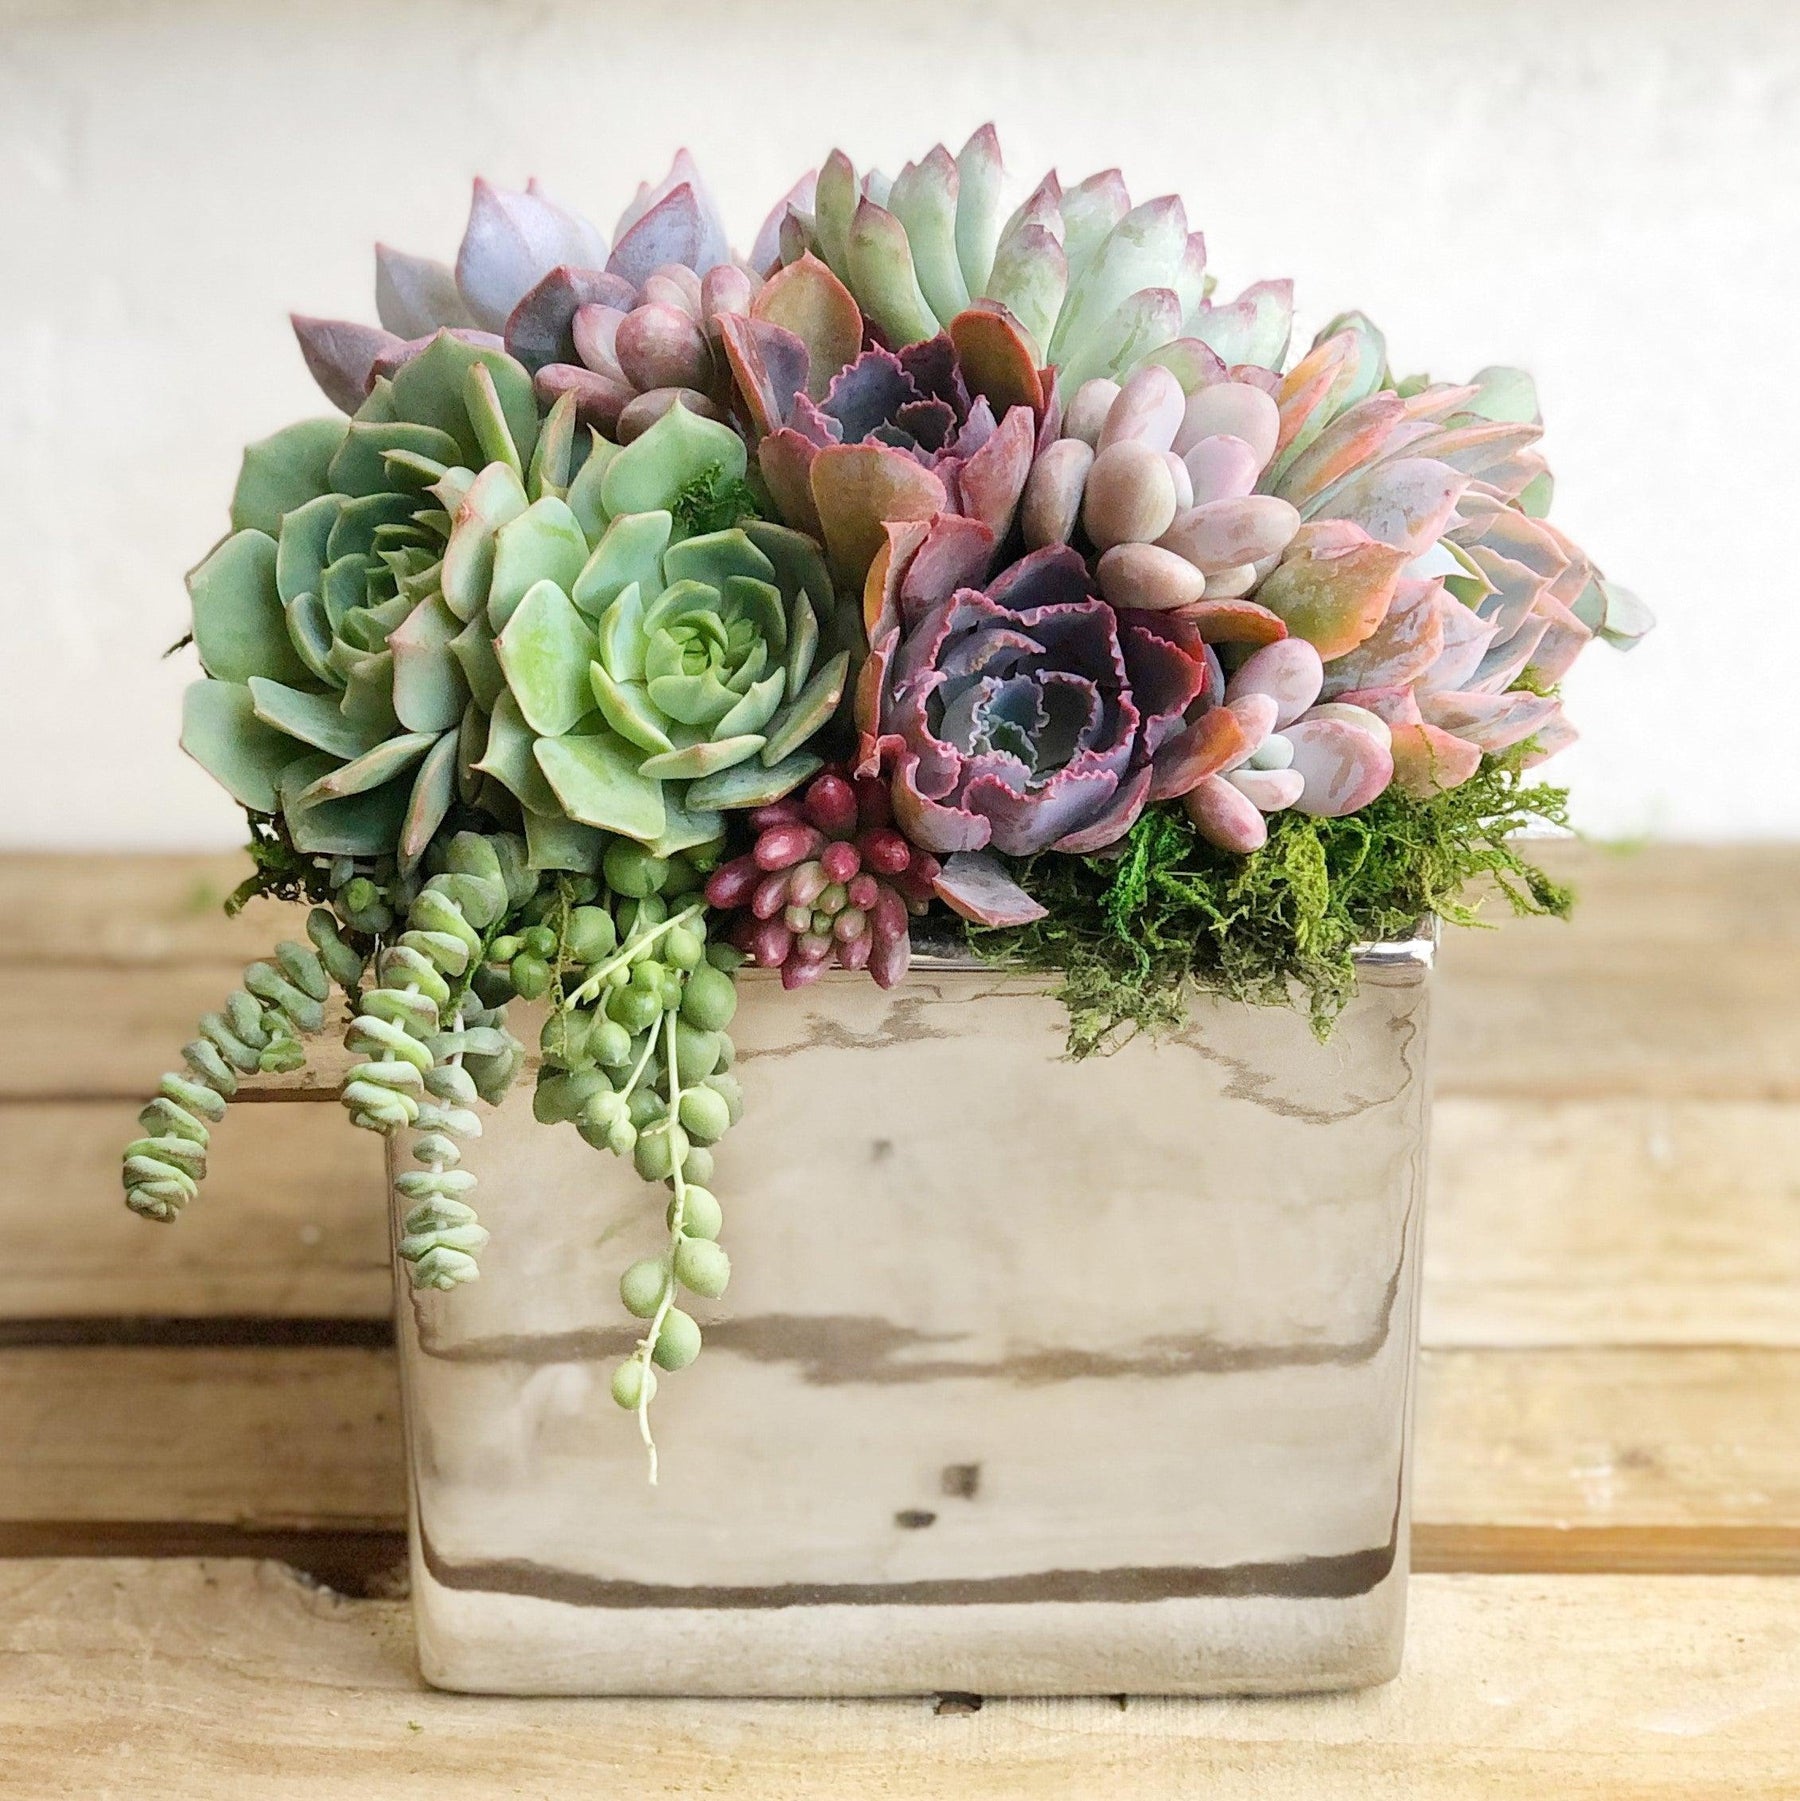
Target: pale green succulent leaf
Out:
[1144,250]
[759,602]
[317,720]
[803,643]
[431,390]
[754,784]
[695,700]
[428,803]
[359,825]
[545,651]
[980,180]
[544,543]
[682,603]
[429,690]
[1030,278]
[511,760]
[309,631]
[680,449]
[684,826]
[473,648]
[240,627]
[598,780]
[360,465]
[487,418]
[703,759]
[552,842]
[493,499]
[620,637]
[300,551]
[809,711]
[373,769]
[358,520]
[923,199]
[282,472]
[344,587]
[834,203]
[755,708]
[630,551]
[628,710]
[584,496]
[715,557]
[553,462]
[368,678]
[244,755]
[883,278]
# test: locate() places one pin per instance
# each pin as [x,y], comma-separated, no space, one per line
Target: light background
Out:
[1607,193]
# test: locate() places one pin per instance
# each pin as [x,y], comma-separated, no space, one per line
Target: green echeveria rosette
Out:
[647,680]
[449,601]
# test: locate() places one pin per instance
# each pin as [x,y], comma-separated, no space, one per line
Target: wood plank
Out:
[1613,1222]
[1567,1222]
[210,1681]
[290,1222]
[1677,1458]
[116,909]
[1680,978]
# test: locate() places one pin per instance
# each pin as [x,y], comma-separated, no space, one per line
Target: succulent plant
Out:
[334,691]
[642,680]
[828,881]
[1095,282]
[1023,717]
[852,435]
[625,331]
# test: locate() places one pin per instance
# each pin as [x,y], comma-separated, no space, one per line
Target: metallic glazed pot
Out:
[1033,1377]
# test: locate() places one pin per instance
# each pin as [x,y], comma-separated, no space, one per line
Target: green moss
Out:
[714,502]
[1130,931]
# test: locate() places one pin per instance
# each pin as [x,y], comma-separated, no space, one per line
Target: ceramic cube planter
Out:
[1033,1377]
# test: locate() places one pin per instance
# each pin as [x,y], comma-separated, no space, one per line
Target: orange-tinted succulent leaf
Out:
[1334,586]
[858,489]
[808,300]
[1428,760]
[997,359]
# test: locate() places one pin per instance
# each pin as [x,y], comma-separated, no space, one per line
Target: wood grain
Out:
[291,1221]
[208,1682]
[1677,1458]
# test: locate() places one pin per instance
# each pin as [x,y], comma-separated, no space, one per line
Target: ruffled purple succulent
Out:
[1028,716]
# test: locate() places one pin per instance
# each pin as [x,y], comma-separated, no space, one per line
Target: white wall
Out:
[1606,192]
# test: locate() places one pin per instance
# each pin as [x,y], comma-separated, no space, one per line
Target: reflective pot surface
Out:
[1033,1377]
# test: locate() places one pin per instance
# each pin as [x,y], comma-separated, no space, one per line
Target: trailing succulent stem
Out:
[258,1031]
[637,1056]
[432,1049]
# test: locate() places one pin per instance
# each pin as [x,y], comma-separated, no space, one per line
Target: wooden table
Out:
[1609,1484]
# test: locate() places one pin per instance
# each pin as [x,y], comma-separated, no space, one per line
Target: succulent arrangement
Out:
[647,612]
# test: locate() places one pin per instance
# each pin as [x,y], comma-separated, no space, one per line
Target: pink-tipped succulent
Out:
[853,435]
[626,330]
[829,883]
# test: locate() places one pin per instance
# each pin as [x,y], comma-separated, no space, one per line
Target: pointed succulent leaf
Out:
[584,495]
[545,651]
[798,568]
[923,199]
[316,720]
[980,178]
[282,472]
[540,329]
[1406,501]
[1029,278]
[630,552]
[1090,211]
[714,558]
[754,784]
[1144,250]
[1142,325]
[679,449]
[221,731]
[976,885]
[678,228]
[428,803]
[766,251]
[597,779]
[240,628]
[554,458]
[511,242]
[300,551]
[1333,586]
[710,247]
[544,543]
[883,276]
[626,708]
[835,203]
[808,712]
[415,295]
[432,389]
[510,758]
[309,631]
[752,712]
[341,356]
[429,690]
[374,768]
[473,648]
[363,462]
[1253,329]
[684,825]
[1626,618]
[493,498]
[364,824]
[707,758]
[1504,394]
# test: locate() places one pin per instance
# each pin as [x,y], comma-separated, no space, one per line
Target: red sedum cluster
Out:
[828,883]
